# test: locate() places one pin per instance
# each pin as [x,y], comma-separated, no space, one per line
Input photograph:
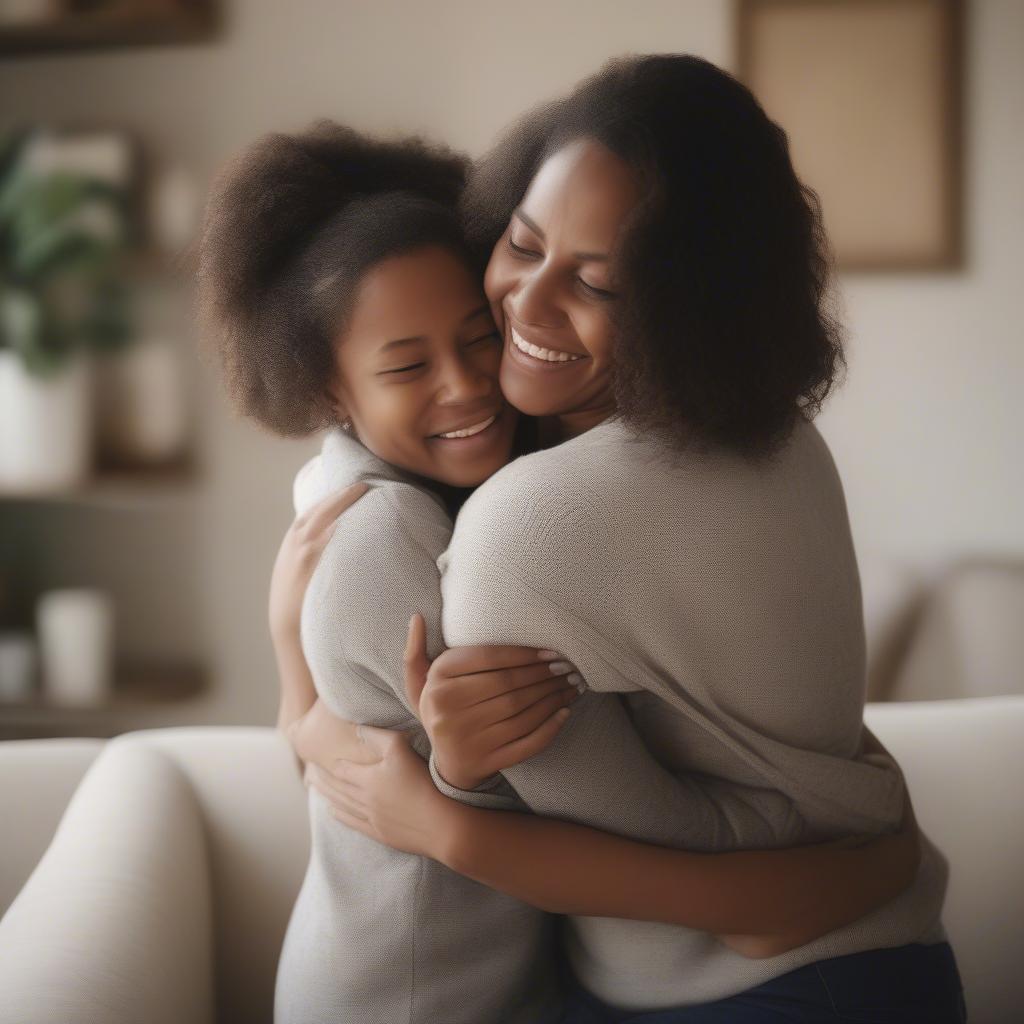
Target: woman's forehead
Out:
[583,190]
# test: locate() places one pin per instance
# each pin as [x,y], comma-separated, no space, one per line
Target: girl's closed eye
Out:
[410,367]
[402,369]
[490,336]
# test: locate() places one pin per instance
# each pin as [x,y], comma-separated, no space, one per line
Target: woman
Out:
[687,544]
[338,288]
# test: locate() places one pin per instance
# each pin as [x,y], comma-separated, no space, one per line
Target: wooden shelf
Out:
[142,697]
[117,487]
[157,25]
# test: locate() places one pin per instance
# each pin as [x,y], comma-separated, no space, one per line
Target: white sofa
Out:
[165,892]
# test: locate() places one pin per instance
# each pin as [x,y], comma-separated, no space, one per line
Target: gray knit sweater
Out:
[378,936]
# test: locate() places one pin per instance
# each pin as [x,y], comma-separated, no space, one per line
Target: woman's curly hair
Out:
[722,330]
[290,228]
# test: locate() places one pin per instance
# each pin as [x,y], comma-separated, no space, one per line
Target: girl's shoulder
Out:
[343,461]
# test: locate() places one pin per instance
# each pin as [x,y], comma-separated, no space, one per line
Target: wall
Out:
[925,432]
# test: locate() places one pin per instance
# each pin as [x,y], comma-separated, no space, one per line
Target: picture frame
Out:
[869,94]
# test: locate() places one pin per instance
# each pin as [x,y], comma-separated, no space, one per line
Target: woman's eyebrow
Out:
[588,257]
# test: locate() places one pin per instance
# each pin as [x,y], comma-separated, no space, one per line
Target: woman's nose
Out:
[534,302]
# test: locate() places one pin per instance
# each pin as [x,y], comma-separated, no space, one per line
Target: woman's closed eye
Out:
[592,290]
[520,251]
[597,293]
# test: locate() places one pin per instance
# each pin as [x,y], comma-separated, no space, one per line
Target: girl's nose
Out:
[464,382]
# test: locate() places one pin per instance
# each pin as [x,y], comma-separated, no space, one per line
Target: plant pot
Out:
[45,426]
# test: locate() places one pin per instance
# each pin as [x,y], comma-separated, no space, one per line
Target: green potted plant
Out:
[62,237]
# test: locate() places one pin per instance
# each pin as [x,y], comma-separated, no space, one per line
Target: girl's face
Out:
[551,285]
[419,362]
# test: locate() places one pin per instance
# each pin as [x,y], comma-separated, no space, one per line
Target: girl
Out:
[659,273]
[340,290]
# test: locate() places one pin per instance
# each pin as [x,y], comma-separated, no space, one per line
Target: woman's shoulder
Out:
[529,507]
[614,476]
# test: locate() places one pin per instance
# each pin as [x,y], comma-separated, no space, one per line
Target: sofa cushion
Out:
[114,923]
[964,764]
[37,778]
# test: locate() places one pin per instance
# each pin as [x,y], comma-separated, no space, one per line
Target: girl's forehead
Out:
[414,295]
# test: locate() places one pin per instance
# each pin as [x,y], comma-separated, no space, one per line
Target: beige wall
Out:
[925,431]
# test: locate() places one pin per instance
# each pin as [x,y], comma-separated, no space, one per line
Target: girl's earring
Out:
[346,425]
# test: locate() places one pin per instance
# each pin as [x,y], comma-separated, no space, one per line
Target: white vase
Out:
[45,425]
[76,646]
[141,414]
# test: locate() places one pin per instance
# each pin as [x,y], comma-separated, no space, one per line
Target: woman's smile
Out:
[528,352]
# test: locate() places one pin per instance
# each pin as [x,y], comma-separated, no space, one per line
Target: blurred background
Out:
[139,518]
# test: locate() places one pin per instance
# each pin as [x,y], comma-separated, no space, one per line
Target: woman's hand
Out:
[390,797]
[486,707]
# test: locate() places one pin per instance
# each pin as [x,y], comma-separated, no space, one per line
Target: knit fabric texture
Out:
[713,607]
[377,935]
[720,597]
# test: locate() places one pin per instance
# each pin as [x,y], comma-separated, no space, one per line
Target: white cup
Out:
[76,646]
[17,666]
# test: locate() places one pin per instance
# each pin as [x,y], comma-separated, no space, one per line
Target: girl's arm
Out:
[759,902]
[301,716]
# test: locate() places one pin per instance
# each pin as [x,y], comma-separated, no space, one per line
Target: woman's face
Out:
[551,285]
[417,362]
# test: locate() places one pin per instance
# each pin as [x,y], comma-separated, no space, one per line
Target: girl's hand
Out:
[298,556]
[486,707]
[320,738]
[391,799]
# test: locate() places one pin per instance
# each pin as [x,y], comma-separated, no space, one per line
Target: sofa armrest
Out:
[114,924]
[37,778]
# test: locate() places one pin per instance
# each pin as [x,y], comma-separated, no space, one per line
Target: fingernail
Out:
[577,680]
[562,714]
[547,655]
[560,668]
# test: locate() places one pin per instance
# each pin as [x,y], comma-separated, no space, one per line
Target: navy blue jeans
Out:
[909,985]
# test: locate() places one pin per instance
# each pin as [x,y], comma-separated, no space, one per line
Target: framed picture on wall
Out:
[868,93]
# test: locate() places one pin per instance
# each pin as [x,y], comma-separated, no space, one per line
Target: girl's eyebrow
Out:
[402,341]
[479,311]
[398,342]
[583,257]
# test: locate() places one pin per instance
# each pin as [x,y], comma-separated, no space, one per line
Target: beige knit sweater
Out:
[722,597]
